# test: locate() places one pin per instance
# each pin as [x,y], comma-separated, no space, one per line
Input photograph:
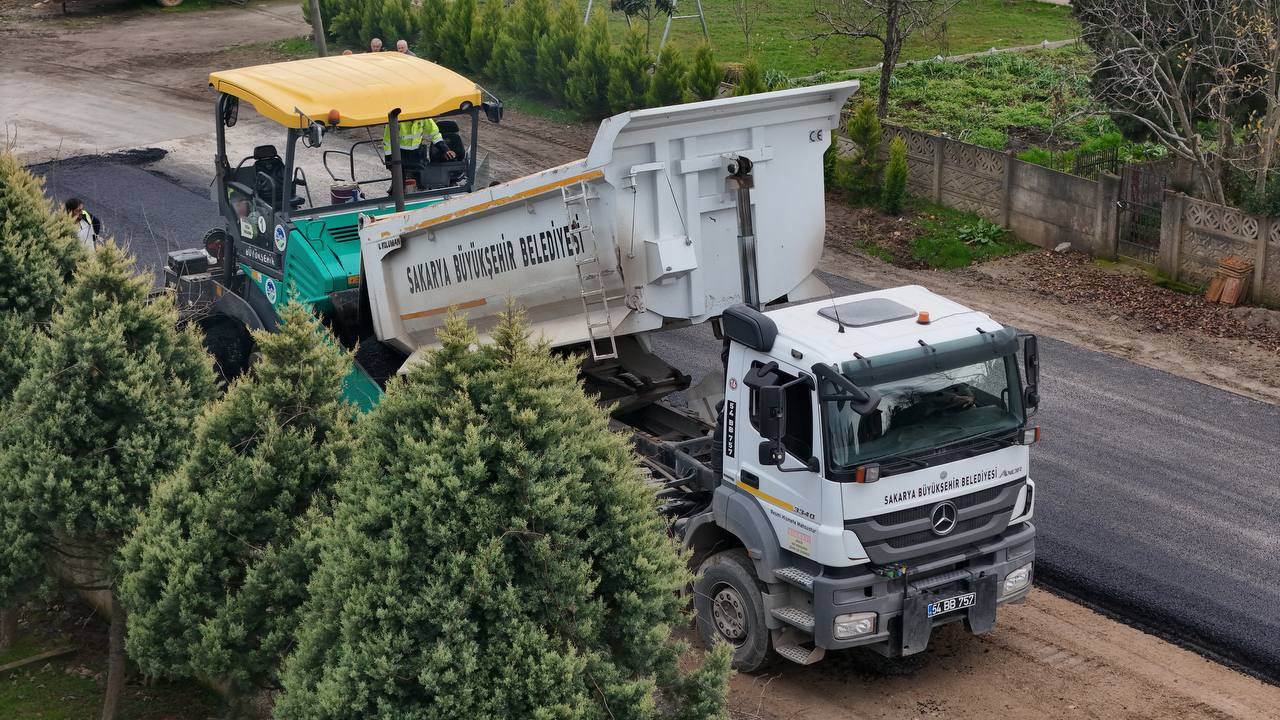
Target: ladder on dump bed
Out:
[595,302]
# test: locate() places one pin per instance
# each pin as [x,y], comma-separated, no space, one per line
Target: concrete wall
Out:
[1042,206]
[1195,235]
[1046,208]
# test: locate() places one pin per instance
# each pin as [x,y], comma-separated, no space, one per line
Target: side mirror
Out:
[230,111]
[493,111]
[315,134]
[1031,360]
[1031,397]
[771,409]
[772,453]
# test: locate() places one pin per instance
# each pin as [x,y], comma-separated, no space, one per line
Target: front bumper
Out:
[903,627]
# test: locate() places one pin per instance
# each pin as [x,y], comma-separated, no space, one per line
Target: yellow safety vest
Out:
[412,133]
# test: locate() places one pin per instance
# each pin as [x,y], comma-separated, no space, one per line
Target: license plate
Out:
[958,602]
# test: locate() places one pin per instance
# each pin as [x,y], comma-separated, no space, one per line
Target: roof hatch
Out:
[865,313]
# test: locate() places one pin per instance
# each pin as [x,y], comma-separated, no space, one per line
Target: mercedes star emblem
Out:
[944,518]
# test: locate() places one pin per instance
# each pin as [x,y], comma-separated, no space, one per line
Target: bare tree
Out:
[1187,71]
[888,22]
[646,10]
[1257,30]
[745,12]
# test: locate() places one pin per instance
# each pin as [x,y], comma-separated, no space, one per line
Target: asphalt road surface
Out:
[1157,496]
[148,213]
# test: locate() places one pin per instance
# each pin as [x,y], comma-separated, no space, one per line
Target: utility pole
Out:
[317,27]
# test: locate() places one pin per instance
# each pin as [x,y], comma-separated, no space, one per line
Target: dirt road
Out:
[111,75]
[143,73]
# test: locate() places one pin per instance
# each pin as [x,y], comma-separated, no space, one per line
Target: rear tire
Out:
[730,608]
[230,344]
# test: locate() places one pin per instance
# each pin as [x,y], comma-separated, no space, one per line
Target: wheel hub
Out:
[729,614]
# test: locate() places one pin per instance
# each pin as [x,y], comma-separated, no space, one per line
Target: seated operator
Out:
[412,133]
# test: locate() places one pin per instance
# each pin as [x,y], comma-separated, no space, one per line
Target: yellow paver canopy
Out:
[362,88]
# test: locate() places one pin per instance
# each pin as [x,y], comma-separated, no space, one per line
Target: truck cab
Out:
[873,477]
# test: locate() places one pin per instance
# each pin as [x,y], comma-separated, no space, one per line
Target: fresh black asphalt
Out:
[1158,497]
[146,212]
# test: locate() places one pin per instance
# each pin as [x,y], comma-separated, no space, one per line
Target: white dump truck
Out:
[861,475]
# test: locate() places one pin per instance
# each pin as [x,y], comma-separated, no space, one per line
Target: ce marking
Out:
[815,136]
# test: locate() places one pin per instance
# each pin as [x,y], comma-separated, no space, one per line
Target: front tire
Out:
[730,608]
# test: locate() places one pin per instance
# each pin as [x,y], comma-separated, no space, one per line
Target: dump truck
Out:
[856,474]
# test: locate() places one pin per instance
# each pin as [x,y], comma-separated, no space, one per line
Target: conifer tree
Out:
[219,564]
[495,554]
[750,80]
[455,38]
[588,85]
[429,26]
[629,74]
[895,177]
[39,251]
[390,20]
[669,85]
[527,23]
[342,19]
[105,408]
[704,75]
[558,47]
[484,36]
[863,169]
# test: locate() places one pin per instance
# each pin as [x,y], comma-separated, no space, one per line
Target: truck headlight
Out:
[1018,579]
[852,625]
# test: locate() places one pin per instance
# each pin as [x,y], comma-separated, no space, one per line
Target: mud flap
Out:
[916,625]
[982,616]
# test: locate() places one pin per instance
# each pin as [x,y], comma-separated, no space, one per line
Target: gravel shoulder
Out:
[1047,658]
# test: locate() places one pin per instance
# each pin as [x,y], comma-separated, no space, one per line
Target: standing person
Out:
[86,226]
[402,46]
[375,45]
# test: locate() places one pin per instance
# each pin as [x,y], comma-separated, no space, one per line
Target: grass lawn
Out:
[923,235]
[1024,102]
[954,239]
[781,37]
[991,100]
[70,687]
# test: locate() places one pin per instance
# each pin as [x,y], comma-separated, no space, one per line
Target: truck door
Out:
[791,499]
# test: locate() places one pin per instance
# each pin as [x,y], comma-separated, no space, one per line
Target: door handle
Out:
[750,479]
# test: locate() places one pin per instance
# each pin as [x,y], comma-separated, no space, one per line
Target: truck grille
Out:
[905,534]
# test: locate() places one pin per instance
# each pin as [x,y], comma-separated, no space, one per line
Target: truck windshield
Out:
[927,411]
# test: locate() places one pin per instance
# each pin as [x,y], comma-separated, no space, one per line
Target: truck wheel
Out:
[730,609]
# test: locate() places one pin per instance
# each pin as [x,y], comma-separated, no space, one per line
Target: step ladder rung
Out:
[795,616]
[591,272]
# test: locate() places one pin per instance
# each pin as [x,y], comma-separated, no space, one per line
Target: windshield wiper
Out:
[973,445]
[974,442]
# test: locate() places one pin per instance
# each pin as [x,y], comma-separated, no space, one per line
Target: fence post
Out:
[1260,257]
[1006,196]
[939,144]
[1171,213]
[1106,225]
